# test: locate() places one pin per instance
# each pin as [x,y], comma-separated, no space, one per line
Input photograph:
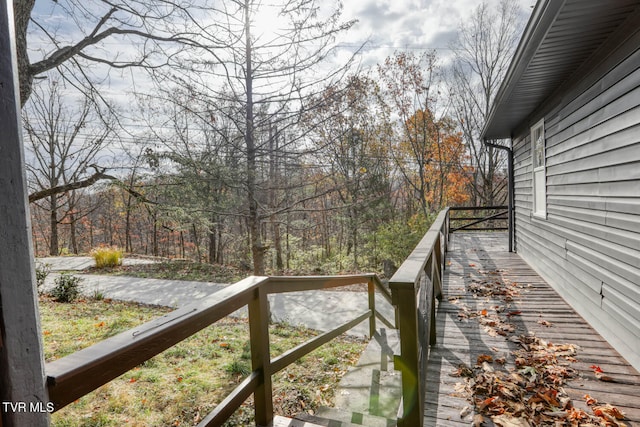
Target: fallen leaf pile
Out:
[528,391]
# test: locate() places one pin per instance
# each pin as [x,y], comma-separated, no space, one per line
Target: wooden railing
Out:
[73,376]
[486,218]
[415,287]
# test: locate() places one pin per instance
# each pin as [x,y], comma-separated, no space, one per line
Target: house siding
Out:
[588,247]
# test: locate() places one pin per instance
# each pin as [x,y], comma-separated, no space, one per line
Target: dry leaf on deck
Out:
[465,411]
[590,400]
[604,377]
[484,358]
[599,373]
[506,420]
[486,367]
[609,412]
[461,371]
[478,420]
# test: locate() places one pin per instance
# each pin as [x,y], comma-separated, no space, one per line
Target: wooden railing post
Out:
[22,379]
[404,297]
[438,267]
[447,230]
[260,357]
[371,288]
[415,287]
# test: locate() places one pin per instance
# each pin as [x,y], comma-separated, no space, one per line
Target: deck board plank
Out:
[483,258]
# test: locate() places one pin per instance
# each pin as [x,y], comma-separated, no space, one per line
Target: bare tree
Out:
[64,143]
[98,37]
[203,147]
[260,80]
[149,34]
[483,52]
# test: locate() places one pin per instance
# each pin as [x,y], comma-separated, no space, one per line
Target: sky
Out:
[384,25]
[410,24]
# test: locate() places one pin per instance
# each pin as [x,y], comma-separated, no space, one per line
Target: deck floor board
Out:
[482,259]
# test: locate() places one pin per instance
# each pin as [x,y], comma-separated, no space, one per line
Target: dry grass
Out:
[183,384]
[107,256]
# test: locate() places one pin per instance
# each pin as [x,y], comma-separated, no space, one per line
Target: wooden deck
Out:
[472,321]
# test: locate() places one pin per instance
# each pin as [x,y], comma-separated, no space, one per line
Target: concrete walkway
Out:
[321,310]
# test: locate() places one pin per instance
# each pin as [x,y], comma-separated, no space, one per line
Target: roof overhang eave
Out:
[542,17]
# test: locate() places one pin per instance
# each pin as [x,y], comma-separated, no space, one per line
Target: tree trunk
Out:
[127,227]
[257,249]
[72,232]
[274,171]
[288,243]
[489,193]
[90,233]
[220,254]
[213,240]
[196,242]
[53,223]
[154,237]
[212,246]
[277,243]
[181,243]
[354,239]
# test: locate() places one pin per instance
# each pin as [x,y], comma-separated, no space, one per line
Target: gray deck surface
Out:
[483,258]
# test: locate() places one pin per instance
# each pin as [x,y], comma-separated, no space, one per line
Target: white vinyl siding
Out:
[539,176]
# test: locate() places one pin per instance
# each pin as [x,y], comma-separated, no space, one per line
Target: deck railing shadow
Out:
[74,376]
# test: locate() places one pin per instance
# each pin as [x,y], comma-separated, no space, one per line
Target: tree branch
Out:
[97,176]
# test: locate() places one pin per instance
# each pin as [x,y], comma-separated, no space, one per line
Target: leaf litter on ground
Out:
[529,392]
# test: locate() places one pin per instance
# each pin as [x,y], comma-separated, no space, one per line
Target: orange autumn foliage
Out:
[439,153]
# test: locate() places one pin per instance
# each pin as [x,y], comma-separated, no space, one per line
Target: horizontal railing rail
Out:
[469,218]
[77,374]
[415,287]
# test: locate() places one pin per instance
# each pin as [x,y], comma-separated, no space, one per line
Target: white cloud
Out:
[391,25]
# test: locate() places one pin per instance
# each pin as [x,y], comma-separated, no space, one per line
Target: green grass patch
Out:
[183,384]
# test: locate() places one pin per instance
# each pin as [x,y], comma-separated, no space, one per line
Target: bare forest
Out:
[268,149]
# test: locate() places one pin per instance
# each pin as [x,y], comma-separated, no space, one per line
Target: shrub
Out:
[395,239]
[107,256]
[67,288]
[42,271]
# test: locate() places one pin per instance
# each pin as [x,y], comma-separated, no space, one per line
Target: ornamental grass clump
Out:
[107,256]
